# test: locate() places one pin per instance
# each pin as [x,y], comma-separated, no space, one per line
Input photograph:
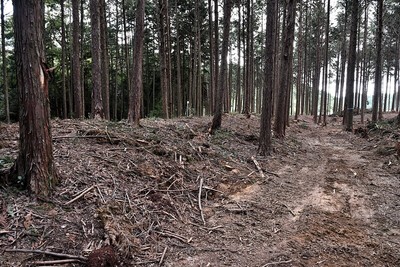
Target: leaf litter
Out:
[169,194]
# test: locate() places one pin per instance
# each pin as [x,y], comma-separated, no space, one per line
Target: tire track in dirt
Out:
[334,222]
[325,202]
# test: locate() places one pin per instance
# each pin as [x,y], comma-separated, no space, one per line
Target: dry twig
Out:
[80,195]
[291,212]
[55,262]
[276,263]
[59,255]
[170,234]
[258,166]
[162,256]
[199,201]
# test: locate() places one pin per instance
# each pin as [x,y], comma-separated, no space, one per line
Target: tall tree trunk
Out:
[348,119]
[326,61]
[127,58]
[135,97]
[395,76]
[377,101]
[76,62]
[105,85]
[34,168]
[398,84]
[217,119]
[171,93]
[82,56]
[179,94]
[358,67]
[305,93]
[163,5]
[365,66]
[337,85]
[63,47]
[212,86]
[97,99]
[385,99]
[4,69]
[343,56]
[216,54]
[251,61]
[286,63]
[247,90]
[117,62]
[397,105]
[317,69]
[299,64]
[238,71]
[265,140]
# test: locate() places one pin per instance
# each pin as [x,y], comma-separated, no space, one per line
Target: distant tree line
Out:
[125,59]
[182,42]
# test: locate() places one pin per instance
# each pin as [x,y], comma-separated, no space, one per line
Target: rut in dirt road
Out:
[348,215]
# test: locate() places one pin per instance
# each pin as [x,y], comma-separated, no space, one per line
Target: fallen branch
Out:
[59,255]
[199,201]
[181,238]
[273,173]
[80,195]
[258,167]
[78,136]
[5,232]
[291,212]
[276,263]
[162,256]
[35,263]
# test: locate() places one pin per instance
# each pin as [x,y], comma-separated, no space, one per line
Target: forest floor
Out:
[169,194]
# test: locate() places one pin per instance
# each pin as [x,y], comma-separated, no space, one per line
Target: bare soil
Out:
[169,194]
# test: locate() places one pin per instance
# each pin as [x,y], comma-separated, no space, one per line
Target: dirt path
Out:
[330,203]
[345,211]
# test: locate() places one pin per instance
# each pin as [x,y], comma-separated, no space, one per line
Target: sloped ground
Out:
[169,194]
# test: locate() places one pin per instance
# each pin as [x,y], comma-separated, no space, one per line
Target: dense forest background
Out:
[183,39]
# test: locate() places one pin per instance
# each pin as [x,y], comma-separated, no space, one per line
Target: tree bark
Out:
[317,69]
[299,65]
[127,58]
[82,56]
[179,93]
[351,67]
[34,168]
[343,57]
[211,89]
[286,63]
[63,47]
[217,119]
[377,99]
[76,61]
[164,55]
[97,99]
[216,53]
[4,68]
[365,72]
[265,140]
[325,100]
[247,90]
[105,85]
[136,95]
[239,71]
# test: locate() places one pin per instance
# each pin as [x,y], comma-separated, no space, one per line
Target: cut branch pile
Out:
[140,190]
